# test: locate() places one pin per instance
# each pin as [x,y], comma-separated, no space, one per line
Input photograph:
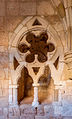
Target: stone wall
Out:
[58,14]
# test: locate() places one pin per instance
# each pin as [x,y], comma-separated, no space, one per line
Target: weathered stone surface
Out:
[5,113]
[2,75]
[57,2]
[14,117]
[2,7]
[12,8]
[4,38]
[67,3]
[41,117]
[27,117]
[16,111]
[67,117]
[44,8]
[58,17]
[28,8]
[27,109]
[12,22]
[4,59]
[53,19]
[2,24]
[5,92]
[57,108]
[40,110]
[48,109]
[11,113]
[61,10]
[58,26]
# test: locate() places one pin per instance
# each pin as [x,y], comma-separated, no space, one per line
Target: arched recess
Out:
[46,88]
[36,25]
[25,88]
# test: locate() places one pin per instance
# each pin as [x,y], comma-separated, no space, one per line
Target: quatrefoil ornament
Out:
[38,46]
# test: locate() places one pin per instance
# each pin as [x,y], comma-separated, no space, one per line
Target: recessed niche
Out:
[44,37]
[44,80]
[30,58]
[36,22]
[50,47]
[30,37]
[36,70]
[23,48]
[16,64]
[56,63]
[42,57]
[25,88]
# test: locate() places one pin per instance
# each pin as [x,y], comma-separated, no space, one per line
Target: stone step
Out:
[27,117]
[53,117]
[67,117]
[13,117]
[47,117]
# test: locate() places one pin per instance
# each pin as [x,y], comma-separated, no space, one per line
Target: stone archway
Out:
[49,52]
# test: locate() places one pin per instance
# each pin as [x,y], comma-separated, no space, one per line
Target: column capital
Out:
[36,84]
[13,86]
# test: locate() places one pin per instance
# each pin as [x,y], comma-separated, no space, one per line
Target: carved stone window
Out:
[38,45]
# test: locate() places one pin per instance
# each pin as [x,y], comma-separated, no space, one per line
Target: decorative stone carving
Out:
[35,46]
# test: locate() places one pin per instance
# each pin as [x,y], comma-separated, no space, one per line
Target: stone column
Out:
[60,96]
[59,87]
[10,95]
[13,95]
[35,101]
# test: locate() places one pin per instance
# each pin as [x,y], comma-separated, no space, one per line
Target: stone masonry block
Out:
[41,117]
[44,8]
[2,26]
[4,38]
[14,117]
[67,117]
[12,22]
[28,8]
[5,113]
[2,8]
[27,117]
[12,8]
[27,109]
[11,113]
[16,111]
[40,110]
[48,109]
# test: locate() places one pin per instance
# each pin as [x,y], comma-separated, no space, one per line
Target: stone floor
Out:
[26,111]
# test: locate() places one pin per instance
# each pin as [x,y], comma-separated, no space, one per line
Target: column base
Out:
[35,104]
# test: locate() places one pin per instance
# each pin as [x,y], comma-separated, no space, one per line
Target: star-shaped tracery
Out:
[38,45]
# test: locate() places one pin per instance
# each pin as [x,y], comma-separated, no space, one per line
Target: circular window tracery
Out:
[23,48]
[38,45]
